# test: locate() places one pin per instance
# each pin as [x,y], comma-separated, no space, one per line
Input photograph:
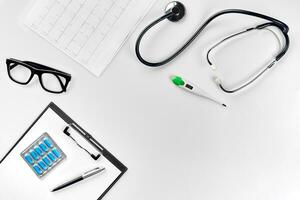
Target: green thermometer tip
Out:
[177,80]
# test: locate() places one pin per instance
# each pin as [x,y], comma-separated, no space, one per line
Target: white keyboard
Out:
[89,31]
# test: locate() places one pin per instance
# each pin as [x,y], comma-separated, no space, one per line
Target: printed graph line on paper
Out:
[94,28]
[117,17]
[61,14]
[74,15]
[82,24]
[102,34]
[43,17]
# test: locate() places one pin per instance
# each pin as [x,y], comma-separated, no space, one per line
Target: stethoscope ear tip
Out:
[217,80]
[213,67]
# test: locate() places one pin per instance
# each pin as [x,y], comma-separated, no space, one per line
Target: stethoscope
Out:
[175,11]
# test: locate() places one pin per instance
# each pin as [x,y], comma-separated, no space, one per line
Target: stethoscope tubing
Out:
[275,22]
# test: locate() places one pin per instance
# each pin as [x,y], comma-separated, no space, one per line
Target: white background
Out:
[177,146]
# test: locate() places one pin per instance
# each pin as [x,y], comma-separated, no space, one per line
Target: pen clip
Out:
[92,172]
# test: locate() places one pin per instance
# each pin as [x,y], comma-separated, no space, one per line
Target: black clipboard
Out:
[86,135]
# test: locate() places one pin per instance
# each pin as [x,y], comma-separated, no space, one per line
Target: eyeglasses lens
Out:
[52,82]
[19,73]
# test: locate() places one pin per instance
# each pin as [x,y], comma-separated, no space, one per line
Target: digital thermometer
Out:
[188,86]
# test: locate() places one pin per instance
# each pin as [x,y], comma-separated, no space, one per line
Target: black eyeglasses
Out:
[51,80]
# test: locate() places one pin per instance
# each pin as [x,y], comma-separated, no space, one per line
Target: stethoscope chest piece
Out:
[177,9]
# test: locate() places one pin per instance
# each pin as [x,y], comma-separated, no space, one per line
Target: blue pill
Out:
[48,142]
[34,155]
[56,153]
[29,159]
[43,146]
[52,157]
[37,170]
[43,165]
[47,161]
[38,150]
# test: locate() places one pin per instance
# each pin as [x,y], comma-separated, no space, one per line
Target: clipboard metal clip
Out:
[83,134]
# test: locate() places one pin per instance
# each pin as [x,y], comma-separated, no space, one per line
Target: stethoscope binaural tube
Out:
[251,80]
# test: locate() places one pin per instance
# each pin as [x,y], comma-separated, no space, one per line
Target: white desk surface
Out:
[177,146]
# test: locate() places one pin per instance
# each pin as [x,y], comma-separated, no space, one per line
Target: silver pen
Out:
[87,174]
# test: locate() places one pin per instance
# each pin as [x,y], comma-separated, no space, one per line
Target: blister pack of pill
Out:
[43,155]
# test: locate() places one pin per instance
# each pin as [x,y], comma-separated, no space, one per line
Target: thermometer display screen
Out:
[189,86]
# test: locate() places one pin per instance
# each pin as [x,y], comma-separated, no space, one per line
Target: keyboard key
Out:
[56,153]
[37,170]
[29,159]
[48,142]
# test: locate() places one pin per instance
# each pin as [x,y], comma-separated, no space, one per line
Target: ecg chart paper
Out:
[89,31]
